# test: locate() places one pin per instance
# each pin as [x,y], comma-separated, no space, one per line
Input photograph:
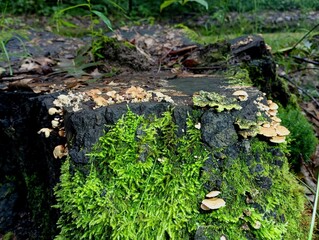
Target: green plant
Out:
[302,138]
[6,34]
[76,67]
[167,3]
[59,17]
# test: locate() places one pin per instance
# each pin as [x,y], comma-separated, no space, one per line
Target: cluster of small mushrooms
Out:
[75,101]
[273,130]
[270,129]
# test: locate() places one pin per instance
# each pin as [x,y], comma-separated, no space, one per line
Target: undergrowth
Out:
[302,137]
[145,182]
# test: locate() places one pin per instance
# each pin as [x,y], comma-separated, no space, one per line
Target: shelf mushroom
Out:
[241,95]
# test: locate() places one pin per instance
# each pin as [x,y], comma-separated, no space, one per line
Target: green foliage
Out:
[302,138]
[6,34]
[167,3]
[9,236]
[60,20]
[76,67]
[144,181]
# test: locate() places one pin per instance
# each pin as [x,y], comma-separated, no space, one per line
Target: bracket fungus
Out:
[212,194]
[53,111]
[212,202]
[241,95]
[273,130]
[46,132]
[60,151]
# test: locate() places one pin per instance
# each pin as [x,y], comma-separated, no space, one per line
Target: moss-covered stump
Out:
[153,165]
[140,154]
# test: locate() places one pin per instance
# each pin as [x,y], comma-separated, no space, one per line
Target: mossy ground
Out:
[146,181]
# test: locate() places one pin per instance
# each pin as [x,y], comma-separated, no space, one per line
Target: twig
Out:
[311,114]
[302,69]
[306,60]
[182,50]
[296,44]
[299,88]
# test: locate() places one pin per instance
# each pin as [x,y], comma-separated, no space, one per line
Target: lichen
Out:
[215,100]
[247,128]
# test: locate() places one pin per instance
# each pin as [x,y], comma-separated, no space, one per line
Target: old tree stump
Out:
[136,159]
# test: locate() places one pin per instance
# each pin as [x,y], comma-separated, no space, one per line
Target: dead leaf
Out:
[96,73]
[29,65]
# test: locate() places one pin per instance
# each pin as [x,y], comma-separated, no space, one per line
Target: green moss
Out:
[215,100]
[37,200]
[263,200]
[9,236]
[146,181]
[240,77]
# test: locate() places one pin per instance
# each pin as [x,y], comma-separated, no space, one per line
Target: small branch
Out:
[306,60]
[299,88]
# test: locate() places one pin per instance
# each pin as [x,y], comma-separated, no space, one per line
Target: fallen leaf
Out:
[96,73]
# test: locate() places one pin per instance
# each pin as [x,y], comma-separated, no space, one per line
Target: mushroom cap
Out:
[60,151]
[266,125]
[276,119]
[268,132]
[46,132]
[282,131]
[214,203]
[272,112]
[93,92]
[278,139]
[273,106]
[241,95]
[53,111]
[204,207]
[212,194]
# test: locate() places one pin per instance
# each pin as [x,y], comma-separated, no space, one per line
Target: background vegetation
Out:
[151,8]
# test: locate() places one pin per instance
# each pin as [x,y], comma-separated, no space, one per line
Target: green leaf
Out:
[167,3]
[103,18]
[201,2]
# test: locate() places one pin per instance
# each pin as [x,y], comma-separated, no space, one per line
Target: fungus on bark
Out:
[241,95]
